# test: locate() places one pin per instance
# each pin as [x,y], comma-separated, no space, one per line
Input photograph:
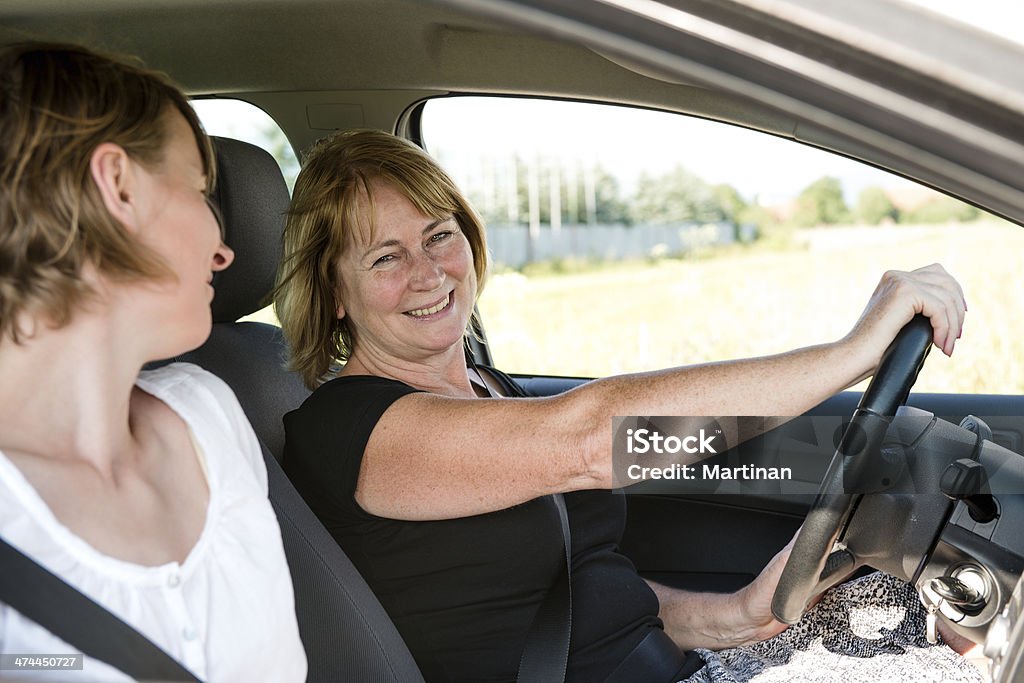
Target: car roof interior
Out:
[321,65]
[318,65]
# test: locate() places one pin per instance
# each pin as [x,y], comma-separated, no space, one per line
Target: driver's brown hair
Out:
[324,213]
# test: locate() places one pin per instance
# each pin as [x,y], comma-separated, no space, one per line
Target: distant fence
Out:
[512,246]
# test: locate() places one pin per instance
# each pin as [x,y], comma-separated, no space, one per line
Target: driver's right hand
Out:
[898,297]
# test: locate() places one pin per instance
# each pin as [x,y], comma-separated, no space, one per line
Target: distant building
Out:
[908,197]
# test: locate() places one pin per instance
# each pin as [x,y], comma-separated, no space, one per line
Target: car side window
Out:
[625,240]
[244,121]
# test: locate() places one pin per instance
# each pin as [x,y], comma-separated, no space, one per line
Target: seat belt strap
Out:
[41,596]
[546,653]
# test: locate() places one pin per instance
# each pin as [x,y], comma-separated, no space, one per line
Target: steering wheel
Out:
[813,565]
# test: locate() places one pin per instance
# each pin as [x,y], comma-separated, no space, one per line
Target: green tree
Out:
[821,203]
[611,208]
[942,210]
[758,216]
[608,204]
[281,149]
[676,197]
[730,201]
[874,206]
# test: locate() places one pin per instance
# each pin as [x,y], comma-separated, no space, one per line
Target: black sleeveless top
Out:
[463,592]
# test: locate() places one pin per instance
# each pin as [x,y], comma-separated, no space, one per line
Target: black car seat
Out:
[347,634]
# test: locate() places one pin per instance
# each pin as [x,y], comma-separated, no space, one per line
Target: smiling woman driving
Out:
[145,491]
[437,476]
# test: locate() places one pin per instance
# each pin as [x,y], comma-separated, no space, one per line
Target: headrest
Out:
[253,198]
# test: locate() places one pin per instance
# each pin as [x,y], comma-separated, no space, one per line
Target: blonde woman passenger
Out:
[144,490]
[436,476]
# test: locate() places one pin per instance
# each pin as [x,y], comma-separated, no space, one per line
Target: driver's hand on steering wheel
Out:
[756,598]
[899,296]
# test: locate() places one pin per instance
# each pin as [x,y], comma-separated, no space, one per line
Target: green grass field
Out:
[753,301]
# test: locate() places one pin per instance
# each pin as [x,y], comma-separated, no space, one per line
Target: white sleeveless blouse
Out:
[227,612]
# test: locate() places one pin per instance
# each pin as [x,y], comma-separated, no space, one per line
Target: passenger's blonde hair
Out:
[325,209]
[58,103]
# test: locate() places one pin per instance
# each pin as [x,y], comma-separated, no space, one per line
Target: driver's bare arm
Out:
[722,620]
[715,621]
[899,296]
[493,454]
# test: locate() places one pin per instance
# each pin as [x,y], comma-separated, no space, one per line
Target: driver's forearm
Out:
[710,620]
[786,384]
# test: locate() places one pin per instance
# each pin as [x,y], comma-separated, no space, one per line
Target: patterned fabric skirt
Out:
[868,629]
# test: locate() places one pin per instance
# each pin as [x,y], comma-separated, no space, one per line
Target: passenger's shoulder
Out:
[195,393]
[185,376]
